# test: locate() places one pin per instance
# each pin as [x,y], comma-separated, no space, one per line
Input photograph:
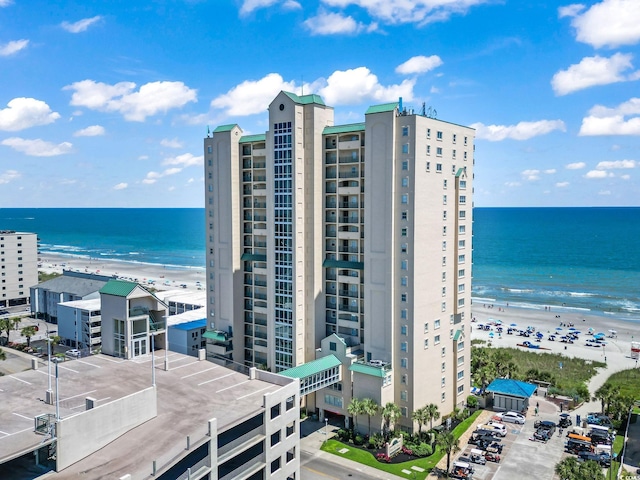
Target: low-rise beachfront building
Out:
[186,332]
[133,320]
[70,286]
[123,419]
[361,230]
[180,301]
[80,324]
[18,266]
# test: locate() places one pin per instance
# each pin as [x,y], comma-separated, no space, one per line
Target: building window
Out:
[442,382]
[461,273]
[428,151]
[439,151]
[442,397]
[404,378]
[461,302]
[405,148]
[403,231]
[404,346]
[426,343]
[439,167]
[404,248]
[443,367]
[405,199]
[461,244]
[403,395]
[460,360]
[332,346]
[444,246]
[463,184]
[444,351]
[463,199]
[275,438]
[444,184]
[428,133]
[444,230]
[291,429]
[275,465]
[444,214]
[465,140]
[426,327]
[405,181]
[462,229]
[428,166]
[451,333]
[404,313]
[404,281]
[460,374]
[404,412]
[436,324]
[461,288]
[403,297]
[403,362]
[463,214]
[444,306]
[275,411]
[461,346]
[444,261]
[465,156]
[403,330]
[404,265]
[439,135]
[453,153]
[461,258]
[291,454]
[209,150]
[405,165]
[436,340]
[444,199]
[453,169]
[444,276]
[444,291]
[460,389]
[405,131]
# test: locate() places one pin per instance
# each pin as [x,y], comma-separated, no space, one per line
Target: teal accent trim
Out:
[311,368]
[343,264]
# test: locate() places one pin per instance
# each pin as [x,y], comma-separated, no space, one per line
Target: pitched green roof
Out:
[460,172]
[352,127]
[305,99]
[224,128]
[379,372]
[118,288]
[259,137]
[385,107]
[310,368]
[457,336]
[215,335]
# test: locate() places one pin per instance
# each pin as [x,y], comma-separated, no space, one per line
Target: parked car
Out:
[477,456]
[511,417]
[565,420]
[461,470]
[542,435]
[492,457]
[599,419]
[576,446]
[546,425]
[498,428]
[603,459]
[73,352]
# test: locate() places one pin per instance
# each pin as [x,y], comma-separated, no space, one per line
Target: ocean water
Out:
[582,259]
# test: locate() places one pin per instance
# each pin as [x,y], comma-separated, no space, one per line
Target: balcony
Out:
[349,174]
[349,144]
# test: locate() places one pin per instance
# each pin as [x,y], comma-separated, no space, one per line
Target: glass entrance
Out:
[139,347]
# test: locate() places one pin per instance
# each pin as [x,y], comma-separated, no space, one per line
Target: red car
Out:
[492,457]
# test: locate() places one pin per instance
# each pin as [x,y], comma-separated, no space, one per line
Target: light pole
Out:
[326,428]
[49,395]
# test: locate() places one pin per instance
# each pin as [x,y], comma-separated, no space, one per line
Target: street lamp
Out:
[326,428]
[49,394]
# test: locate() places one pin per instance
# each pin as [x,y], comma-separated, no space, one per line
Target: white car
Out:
[512,417]
[73,352]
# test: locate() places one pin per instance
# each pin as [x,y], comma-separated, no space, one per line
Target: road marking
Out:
[185,365]
[111,360]
[257,391]
[20,380]
[320,473]
[78,395]
[22,416]
[214,379]
[70,369]
[201,371]
[4,433]
[233,386]
[87,363]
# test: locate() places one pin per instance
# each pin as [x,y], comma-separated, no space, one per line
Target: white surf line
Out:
[22,416]
[201,371]
[87,363]
[233,386]
[78,395]
[253,393]
[19,379]
[218,378]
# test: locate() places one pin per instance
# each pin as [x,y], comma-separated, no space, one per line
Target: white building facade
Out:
[18,266]
[360,230]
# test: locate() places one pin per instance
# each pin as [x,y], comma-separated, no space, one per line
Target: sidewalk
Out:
[311,439]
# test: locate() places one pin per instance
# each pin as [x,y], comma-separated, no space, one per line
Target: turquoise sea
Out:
[574,258]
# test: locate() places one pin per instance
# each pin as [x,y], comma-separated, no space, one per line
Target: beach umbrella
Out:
[572,328]
[491,334]
[513,325]
[498,321]
[558,328]
[599,334]
[591,329]
[539,335]
[576,332]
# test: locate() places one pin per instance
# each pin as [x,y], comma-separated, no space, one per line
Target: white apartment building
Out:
[18,266]
[361,230]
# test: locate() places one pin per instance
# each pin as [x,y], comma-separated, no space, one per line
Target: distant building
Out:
[186,332]
[18,266]
[361,230]
[180,301]
[79,324]
[70,286]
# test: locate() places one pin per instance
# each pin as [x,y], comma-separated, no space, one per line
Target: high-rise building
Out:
[18,266]
[361,230]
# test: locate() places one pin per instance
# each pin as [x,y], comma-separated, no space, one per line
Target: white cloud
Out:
[604,192]
[341,88]
[92,131]
[625,176]
[616,164]
[357,85]
[575,166]
[329,23]
[570,10]
[24,113]
[151,99]
[143,157]
[12,47]
[152,177]
[5,3]
[611,121]
[37,147]
[419,64]
[120,186]
[8,176]
[592,71]
[598,174]
[513,184]
[184,160]
[249,6]
[171,143]
[550,171]
[521,131]
[531,174]
[80,25]
[562,184]
[409,11]
[610,23]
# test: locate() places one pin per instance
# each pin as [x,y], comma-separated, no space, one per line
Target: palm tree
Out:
[355,408]
[501,360]
[419,416]
[448,442]
[432,413]
[370,408]
[8,324]
[28,332]
[484,375]
[605,393]
[390,413]
[567,468]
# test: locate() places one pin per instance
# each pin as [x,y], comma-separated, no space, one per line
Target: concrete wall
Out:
[85,433]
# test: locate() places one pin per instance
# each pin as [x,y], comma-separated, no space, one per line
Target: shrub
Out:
[383,457]
[358,440]
[344,435]
[423,450]
[407,451]
[377,439]
[472,401]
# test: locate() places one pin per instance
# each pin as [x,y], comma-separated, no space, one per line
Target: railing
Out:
[348,175]
[349,250]
[138,311]
[348,308]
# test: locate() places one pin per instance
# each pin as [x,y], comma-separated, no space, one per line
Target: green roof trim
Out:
[311,368]
[259,137]
[343,264]
[460,172]
[457,336]
[118,288]
[253,257]
[385,107]
[352,127]
[215,336]
[305,99]
[379,372]
[224,128]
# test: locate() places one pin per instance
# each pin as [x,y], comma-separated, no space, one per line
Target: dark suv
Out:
[603,459]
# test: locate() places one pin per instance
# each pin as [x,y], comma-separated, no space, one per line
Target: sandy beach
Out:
[156,276]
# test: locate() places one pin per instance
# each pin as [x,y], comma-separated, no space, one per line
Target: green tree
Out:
[501,360]
[390,413]
[605,393]
[420,416]
[355,408]
[370,408]
[567,468]
[449,444]
[28,332]
[432,413]
[8,324]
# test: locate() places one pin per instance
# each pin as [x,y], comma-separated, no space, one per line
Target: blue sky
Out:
[106,103]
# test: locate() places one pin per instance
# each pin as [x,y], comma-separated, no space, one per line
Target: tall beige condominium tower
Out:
[18,266]
[360,231]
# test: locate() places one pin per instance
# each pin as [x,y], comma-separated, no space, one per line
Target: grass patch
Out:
[43,277]
[366,458]
[618,443]
[628,381]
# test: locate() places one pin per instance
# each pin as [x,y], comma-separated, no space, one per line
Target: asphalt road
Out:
[316,468]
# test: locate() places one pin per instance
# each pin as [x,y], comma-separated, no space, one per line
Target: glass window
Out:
[444,199]
[436,339]
[403,395]
[404,346]
[405,165]
[428,149]
[465,140]
[444,245]
[443,367]
[404,265]
[463,214]
[436,324]
[405,131]
[404,379]
[463,199]
[442,382]
[444,230]
[404,313]
[454,138]
[460,258]
[438,167]
[428,166]
[405,199]
[404,231]
[403,362]
[462,229]
[439,135]
[426,343]
[404,248]
[453,153]
[461,243]
[461,273]
[405,181]
[444,351]
[404,281]
[439,151]
[442,397]
[403,330]
[460,374]
[426,327]
[444,184]
[405,215]
[428,133]
[444,291]
[460,360]
[405,148]
[403,297]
